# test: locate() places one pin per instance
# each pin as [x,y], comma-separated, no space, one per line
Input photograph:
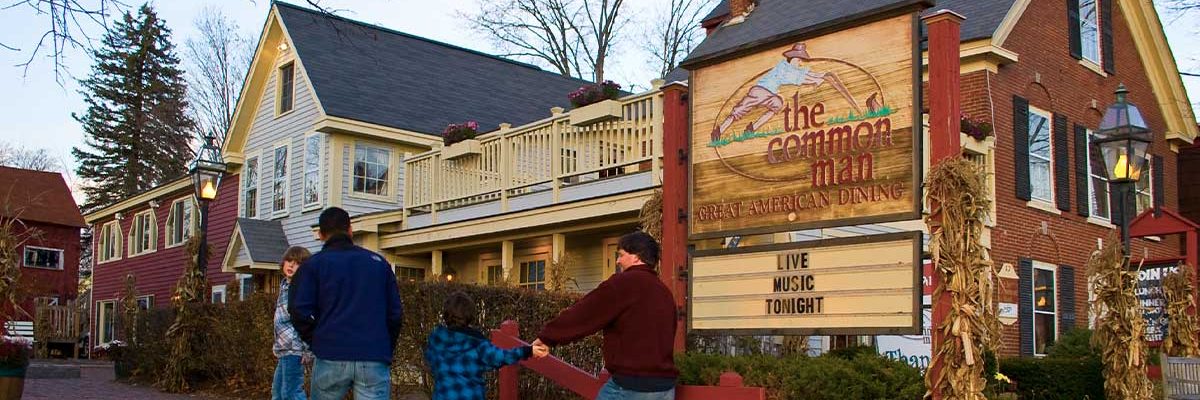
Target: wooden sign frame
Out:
[913,186]
[914,329]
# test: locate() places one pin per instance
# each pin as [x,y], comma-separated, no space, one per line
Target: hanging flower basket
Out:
[595,103]
[459,140]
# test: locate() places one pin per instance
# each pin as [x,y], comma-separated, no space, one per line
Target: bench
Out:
[22,329]
[1181,378]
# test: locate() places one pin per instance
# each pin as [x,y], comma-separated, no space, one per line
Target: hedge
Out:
[1070,370]
[843,375]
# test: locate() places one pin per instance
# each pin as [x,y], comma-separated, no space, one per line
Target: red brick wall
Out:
[1052,80]
[157,272]
[40,282]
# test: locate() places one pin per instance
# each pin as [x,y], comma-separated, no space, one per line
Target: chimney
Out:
[739,9]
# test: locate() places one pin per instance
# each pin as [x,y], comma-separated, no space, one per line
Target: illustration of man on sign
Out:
[765,93]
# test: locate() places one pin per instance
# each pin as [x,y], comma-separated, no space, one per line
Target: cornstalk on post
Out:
[1120,325]
[1181,305]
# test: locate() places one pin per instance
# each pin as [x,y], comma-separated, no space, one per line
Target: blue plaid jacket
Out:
[287,340]
[458,359]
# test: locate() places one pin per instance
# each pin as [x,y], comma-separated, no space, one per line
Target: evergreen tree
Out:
[136,124]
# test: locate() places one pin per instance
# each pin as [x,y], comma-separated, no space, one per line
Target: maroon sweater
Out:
[637,313]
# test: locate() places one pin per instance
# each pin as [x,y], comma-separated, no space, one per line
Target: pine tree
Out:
[137,125]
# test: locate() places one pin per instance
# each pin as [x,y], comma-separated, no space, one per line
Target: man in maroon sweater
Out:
[637,313]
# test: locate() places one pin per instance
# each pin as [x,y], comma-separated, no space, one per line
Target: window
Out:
[106,316]
[533,274]
[1044,308]
[495,274]
[1040,178]
[179,222]
[42,257]
[1089,30]
[279,181]
[287,75]
[312,171]
[110,242]
[1097,182]
[245,286]
[1144,195]
[145,302]
[371,166]
[143,235]
[410,274]
[218,294]
[250,189]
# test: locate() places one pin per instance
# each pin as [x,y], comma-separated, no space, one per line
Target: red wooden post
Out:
[509,376]
[943,130]
[676,146]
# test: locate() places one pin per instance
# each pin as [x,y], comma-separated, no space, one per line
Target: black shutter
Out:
[1025,305]
[1082,175]
[1021,147]
[1115,208]
[1073,28]
[1156,181]
[1066,299]
[1062,163]
[1106,36]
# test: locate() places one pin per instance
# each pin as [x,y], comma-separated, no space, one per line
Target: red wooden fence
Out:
[587,385]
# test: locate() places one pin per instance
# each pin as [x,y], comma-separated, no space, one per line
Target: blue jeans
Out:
[289,379]
[612,391]
[371,380]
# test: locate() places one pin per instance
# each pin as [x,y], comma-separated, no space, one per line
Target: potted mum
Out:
[14,360]
[459,140]
[594,103]
[114,351]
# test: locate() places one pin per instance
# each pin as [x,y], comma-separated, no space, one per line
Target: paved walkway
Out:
[96,382]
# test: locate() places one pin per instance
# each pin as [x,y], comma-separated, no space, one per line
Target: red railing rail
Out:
[588,386]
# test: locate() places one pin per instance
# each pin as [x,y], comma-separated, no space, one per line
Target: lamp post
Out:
[206,170]
[1123,139]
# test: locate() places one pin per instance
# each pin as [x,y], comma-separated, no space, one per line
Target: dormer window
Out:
[287,75]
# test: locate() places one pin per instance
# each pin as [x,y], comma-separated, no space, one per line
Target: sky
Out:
[37,108]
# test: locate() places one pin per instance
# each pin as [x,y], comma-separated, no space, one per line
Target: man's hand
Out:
[307,359]
[540,349]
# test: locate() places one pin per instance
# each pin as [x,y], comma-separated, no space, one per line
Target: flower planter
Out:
[12,383]
[461,149]
[975,145]
[596,112]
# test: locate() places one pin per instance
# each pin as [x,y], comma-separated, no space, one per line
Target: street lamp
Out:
[1123,139]
[206,170]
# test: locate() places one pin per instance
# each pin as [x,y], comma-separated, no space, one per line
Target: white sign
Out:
[1008,313]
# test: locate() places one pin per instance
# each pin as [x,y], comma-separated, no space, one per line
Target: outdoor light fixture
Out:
[283,46]
[1123,139]
[206,170]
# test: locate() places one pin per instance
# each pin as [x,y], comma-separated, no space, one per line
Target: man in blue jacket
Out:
[345,304]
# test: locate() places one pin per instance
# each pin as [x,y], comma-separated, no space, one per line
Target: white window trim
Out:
[1044,202]
[1149,174]
[279,87]
[542,257]
[149,298]
[287,179]
[1054,271]
[258,160]
[1099,36]
[191,229]
[1092,217]
[393,173]
[104,238]
[218,289]
[61,262]
[100,320]
[153,234]
[320,173]
[241,278]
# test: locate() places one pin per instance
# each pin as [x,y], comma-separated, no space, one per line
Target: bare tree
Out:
[674,31]
[17,157]
[217,63]
[67,23]
[574,37]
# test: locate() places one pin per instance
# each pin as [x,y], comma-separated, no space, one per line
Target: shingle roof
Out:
[38,196]
[775,18]
[264,240]
[381,76]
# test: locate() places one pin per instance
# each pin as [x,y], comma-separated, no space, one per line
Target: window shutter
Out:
[1062,163]
[1082,175]
[1066,299]
[1156,181]
[1073,29]
[1021,147]
[1106,36]
[1114,204]
[1025,303]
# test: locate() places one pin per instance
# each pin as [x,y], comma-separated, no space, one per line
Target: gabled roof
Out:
[265,241]
[385,77]
[38,196]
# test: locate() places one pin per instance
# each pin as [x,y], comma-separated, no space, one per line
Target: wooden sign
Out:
[865,285]
[816,132]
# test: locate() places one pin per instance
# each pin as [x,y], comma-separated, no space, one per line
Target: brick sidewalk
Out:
[96,382]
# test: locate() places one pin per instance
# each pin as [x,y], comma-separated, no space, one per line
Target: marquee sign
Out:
[866,285]
[816,132]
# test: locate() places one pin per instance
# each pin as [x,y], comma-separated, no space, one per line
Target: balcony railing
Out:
[549,155]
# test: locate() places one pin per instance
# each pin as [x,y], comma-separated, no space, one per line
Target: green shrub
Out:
[1070,370]
[845,375]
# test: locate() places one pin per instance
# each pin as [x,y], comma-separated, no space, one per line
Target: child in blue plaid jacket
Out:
[458,355]
[292,352]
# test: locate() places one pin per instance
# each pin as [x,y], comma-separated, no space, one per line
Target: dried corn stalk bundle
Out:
[13,234]
[185,331]
[651,216]
[129,307]
[1182,325]
[959,192]
[1120,327]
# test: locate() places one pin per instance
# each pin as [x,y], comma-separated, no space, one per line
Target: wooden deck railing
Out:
[545,155]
